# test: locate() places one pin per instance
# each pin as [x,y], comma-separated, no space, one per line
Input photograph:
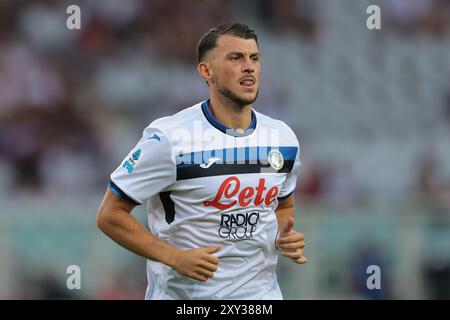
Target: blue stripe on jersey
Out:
[232,161]
[234,155]
[118,192]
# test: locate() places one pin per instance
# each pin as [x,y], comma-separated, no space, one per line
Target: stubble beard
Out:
[237,101]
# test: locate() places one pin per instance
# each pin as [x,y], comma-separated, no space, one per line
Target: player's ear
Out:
[205,71]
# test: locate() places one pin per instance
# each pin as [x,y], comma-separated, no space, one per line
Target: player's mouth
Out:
[248,82]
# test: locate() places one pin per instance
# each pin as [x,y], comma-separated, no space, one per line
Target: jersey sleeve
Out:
[148,169]
[291,179]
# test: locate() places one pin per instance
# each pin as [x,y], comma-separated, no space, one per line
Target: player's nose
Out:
[248,66]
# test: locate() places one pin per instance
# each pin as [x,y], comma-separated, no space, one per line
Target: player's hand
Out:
[198,264]
[291,243]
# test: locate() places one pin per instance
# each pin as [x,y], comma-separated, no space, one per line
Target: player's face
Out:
[236,69]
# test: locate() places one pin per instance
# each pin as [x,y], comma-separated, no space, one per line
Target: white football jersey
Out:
[205,184]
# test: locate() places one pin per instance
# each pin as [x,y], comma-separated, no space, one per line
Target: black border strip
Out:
[285,197]
[168,205]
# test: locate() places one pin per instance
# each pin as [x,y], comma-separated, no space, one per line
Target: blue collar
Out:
[233,132]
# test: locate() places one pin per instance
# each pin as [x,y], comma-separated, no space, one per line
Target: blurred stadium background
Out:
[371,109]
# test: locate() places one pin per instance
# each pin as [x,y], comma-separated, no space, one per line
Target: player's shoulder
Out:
[269,123]
[181,120]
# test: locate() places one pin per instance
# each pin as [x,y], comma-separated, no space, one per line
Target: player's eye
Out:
[255,59]
[234,58]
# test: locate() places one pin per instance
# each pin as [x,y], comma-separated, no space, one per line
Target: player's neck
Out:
[230,115]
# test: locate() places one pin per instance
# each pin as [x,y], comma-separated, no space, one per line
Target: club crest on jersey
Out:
[130,163]
[275,158]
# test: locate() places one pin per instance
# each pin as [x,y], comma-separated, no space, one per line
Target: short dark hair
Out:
[209,40]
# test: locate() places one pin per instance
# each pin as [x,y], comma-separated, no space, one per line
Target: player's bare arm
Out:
[115,220]
[290,242]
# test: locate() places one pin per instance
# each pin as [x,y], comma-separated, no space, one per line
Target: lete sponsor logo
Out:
[231,187]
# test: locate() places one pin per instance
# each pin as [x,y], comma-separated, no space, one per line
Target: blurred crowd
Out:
[60,90]
[412,16]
